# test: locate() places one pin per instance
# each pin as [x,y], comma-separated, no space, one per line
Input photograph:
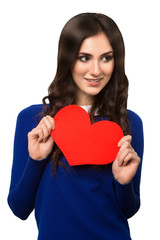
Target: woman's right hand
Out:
[40,142]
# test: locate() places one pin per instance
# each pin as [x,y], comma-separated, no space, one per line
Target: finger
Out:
[123,139]
[36,133]
[51,122]
[50,139]
[125,144]
[46,132]
[123,155]
[127,159]
[40,135]
[126,156]
[132,157]
[41,132]
[45,127]
[48,121]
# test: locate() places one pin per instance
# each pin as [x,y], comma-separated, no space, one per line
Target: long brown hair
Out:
[112,100]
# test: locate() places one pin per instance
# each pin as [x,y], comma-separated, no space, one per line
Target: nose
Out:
[95,68]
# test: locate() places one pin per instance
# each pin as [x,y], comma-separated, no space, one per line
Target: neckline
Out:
[87,108]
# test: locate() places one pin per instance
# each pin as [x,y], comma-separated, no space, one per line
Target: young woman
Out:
[89,201]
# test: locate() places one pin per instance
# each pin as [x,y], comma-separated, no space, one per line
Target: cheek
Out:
[79,69]
[109,69]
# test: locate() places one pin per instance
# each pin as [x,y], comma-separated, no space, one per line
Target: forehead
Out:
[98,43]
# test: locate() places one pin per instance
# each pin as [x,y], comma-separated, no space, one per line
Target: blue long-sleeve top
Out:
[83,203]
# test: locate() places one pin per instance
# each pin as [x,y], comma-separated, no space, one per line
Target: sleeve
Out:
[128,196]
[26,172]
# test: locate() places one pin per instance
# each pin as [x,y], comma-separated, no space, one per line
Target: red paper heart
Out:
[83,143]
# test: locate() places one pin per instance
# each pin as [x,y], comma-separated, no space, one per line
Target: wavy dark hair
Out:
[112,100]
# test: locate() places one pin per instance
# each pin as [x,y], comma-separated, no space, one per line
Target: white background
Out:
[28,51]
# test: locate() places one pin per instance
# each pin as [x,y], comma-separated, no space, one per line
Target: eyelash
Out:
[108,58]
[81,58]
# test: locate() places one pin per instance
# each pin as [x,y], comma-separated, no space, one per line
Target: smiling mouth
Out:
[93,80]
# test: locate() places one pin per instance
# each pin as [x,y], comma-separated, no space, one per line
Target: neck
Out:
[85,101]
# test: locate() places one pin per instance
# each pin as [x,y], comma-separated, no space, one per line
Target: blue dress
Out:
[83,203]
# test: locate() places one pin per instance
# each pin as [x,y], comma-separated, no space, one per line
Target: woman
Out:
[86,202]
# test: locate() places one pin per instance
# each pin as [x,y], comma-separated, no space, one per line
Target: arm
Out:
[22,195]
[26,171]
[128,193]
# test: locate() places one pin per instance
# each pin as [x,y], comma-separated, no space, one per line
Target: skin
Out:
[95,61]
[40,142]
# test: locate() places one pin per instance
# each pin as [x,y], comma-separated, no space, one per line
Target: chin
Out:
[95,92]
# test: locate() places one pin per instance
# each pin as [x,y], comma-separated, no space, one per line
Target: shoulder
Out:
[136,127]
[133,117]
[32,110]
[135,121]
[28,116]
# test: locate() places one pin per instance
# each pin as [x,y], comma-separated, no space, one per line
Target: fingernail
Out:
[119,163]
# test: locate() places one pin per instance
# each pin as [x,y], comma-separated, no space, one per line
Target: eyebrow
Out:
[89,55]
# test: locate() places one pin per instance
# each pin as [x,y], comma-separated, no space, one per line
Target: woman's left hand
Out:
[127,161]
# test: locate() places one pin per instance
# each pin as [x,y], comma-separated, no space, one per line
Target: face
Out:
[93,68]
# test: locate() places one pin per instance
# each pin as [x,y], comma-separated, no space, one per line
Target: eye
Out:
[107,58]
[83,58]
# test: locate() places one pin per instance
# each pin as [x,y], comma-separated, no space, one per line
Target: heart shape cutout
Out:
[82,142]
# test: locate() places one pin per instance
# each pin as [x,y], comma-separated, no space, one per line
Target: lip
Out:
[92,79]
[89,80]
